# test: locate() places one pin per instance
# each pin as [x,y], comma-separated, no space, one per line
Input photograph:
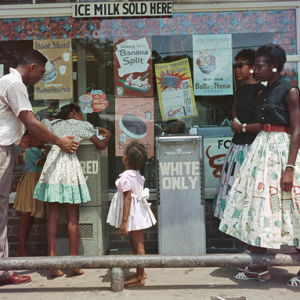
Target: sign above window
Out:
[122,9]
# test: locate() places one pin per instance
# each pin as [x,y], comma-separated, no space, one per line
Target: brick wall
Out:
[37,242]
[216,241]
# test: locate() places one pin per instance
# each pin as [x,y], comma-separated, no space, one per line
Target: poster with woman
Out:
[175,90]
[134,121]
[133,67]
[57,82]
[212,64]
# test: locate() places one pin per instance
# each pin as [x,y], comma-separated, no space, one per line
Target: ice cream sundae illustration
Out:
[206,61]
[139,84]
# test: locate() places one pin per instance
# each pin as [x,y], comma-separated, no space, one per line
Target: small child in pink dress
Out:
[129,209]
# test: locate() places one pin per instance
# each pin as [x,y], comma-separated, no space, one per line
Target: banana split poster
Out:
[133,67]
[175,90]
[134,121]
[57,82]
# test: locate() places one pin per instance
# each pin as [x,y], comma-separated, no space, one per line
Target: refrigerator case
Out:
[93,229]
[180,194]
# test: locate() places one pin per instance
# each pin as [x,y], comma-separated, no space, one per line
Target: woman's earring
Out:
[251,71]
[274,70]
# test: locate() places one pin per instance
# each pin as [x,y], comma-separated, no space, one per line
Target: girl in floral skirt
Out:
[263,208]
[62,180]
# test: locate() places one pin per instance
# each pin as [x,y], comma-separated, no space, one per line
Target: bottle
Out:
[194,130]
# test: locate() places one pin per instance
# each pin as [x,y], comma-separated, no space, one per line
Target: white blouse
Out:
[13,100]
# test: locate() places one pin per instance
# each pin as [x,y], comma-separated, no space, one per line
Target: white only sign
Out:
[133,56]
[122,9]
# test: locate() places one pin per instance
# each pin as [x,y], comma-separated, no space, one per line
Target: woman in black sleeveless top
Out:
[244,126]
[263,208]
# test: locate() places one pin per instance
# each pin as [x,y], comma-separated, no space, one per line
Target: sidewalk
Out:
[193,283]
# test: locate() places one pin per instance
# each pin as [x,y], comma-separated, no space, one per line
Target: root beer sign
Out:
[122,9]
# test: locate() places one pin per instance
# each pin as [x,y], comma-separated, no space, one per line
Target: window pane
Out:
[15,2]
[54,1]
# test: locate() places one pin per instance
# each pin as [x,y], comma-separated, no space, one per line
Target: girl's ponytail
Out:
[136,154]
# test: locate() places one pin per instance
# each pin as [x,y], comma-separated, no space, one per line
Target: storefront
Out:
[146,69]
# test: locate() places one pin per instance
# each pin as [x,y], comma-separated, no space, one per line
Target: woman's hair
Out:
[246,54]
[136,154]
[32,56]
[272,54]
[65,110]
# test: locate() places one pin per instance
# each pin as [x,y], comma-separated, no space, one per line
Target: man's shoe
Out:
[15,279]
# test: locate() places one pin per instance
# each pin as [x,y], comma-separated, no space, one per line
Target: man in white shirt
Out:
[16,110]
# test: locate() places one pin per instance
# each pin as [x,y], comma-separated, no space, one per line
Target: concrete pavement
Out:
[166,283]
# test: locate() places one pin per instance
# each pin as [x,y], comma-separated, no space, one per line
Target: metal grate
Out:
[85,231]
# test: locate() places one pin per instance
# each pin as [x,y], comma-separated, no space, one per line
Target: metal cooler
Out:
[180,195]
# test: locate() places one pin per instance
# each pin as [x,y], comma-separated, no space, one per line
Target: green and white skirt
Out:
[257,211]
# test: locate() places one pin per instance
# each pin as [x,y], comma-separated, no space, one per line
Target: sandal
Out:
[295,281]
[244,269]
[242,276]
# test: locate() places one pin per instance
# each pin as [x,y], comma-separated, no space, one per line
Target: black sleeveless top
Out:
[245,104]
[272,107]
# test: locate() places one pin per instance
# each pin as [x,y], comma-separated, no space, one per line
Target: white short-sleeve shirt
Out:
[13,100]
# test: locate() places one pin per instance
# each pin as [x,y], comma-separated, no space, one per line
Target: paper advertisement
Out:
[94,101]
[134,121]
[175,90]
[57,82]
[212,64]
[133,67]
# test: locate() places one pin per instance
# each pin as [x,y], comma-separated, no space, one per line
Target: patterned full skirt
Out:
[257,211]
[232,163]
[62,179]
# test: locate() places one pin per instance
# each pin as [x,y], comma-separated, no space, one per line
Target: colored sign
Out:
[212,64]
[94,101]
[215,150]
[134,121]
[133,67]
[125,9]
[57,82]
[175,90]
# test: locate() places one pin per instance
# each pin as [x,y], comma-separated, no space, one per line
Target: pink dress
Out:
[140,216]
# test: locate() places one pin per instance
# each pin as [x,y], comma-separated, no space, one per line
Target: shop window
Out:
[172,39]
[15,2]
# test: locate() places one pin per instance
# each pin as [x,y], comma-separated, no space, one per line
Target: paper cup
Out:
[62,70]
[51,72]
[66,56]
[85,101]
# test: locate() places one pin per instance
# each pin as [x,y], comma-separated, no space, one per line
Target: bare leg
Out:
[72,211]
[53,219]
[130,277]
[249,271]
[26,223]
[137,241]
